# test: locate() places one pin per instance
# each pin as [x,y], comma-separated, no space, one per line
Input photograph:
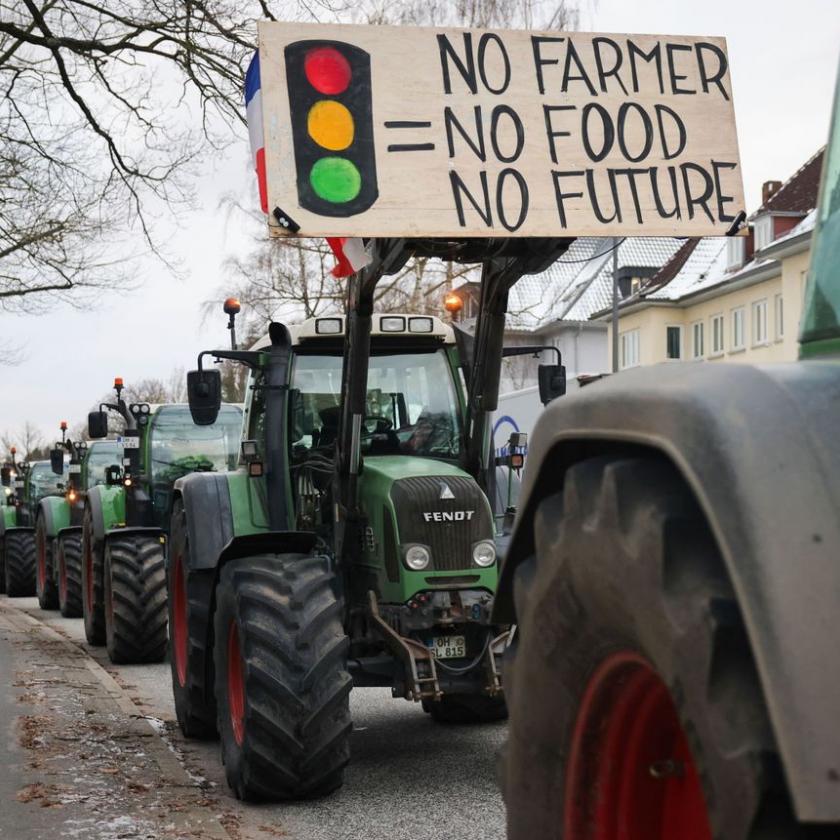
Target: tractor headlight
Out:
[484,553]
[417,557]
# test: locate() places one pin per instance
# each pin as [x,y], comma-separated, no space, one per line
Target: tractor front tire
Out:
[636,709]
[466,709]
[20,563]
[135,599]
[93,590]
[69,556]
[190,635]
[282,685]
[45,582]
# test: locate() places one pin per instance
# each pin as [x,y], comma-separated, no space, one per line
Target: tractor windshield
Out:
[101,456]
[179,447]
[412,408]
[43,481]
[822,309]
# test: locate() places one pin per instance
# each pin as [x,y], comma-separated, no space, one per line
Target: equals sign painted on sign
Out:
[409,147]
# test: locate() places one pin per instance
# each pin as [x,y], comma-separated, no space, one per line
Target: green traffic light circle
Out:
[335,179]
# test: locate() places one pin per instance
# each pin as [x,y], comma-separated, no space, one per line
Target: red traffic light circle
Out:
[327,70]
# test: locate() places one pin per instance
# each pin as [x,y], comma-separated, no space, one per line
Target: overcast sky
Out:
[784,59]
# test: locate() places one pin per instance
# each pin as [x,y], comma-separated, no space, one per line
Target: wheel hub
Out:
[236,685]
[179,625]
[630,774]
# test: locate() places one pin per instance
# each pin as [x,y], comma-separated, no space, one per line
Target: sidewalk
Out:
[76,760]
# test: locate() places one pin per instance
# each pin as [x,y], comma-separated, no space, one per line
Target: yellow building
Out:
[728,300]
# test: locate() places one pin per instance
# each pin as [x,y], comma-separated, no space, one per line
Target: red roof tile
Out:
[799,193]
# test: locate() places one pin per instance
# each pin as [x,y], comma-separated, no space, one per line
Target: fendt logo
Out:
[449,516]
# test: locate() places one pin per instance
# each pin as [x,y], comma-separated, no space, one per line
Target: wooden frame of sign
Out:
[425,132]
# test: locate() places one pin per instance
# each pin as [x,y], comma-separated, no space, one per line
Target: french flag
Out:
[254,117]
[350,252]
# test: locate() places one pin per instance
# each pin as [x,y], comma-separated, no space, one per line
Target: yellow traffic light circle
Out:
[330,125]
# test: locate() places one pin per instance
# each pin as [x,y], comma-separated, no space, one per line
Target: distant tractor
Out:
[674,576]
[126,519]
[58,526]
[30,483]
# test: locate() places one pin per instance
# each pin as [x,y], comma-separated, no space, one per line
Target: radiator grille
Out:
[450,541]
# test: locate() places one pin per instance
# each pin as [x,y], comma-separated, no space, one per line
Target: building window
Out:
[738,328]
[763,231]
[779,316]
[759,323]
[629,349]
[697,341]
[717,334]
[673,342]
[735,251]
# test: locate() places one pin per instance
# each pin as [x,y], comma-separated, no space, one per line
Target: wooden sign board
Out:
[424,132]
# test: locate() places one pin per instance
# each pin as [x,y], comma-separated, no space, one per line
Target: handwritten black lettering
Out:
[607,129]
[465,68]
[504,175]
[720,71]
[560,196]
[605,72]
[550,131]
[675,78]
[539,62]
[459,189]
[519,132]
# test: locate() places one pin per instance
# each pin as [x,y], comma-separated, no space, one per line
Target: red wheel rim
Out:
[630,774]
[89,581]
[236,685]
[179,624]
[62,578]
[42,562]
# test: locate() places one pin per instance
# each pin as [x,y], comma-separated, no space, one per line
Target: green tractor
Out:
[58,524]
[125,520]
[31,483]
[356,545]
[674,575]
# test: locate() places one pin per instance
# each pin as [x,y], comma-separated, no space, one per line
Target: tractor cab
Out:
[40,482]
[175,447]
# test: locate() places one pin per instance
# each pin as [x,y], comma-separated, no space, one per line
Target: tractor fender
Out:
[759,448]
[211,529]
[206,498]
[107,505]
[7,520]
[55,512]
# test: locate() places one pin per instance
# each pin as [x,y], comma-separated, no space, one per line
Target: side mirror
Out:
[552,382]
[204,392]
[5,476]
[97,425]
[57,461]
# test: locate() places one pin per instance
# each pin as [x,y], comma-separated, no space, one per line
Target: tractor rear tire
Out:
[20,564]
[466,709]
[45,582]
[135,599]
[282,685]
[69,555]
[636,707]
[190,635]
[93,590]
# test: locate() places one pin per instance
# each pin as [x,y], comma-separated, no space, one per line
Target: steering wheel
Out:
[382,425]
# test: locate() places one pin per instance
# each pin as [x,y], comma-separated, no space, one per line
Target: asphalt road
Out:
[408,776]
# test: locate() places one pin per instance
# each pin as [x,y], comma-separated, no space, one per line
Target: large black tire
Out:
[93,586]
[190,635]
[466,708]
[46,585]
[626,575]
[69,558]
[135,598]
[20,563]
[282,685]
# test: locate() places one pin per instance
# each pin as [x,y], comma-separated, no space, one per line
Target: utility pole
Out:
[616,242]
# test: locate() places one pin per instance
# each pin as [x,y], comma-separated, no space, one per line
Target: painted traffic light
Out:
[332,126]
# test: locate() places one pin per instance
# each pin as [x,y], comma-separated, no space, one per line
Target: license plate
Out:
[449,647]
